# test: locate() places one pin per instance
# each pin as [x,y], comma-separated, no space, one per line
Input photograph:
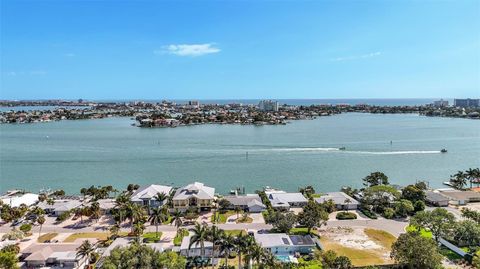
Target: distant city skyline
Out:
[212,50]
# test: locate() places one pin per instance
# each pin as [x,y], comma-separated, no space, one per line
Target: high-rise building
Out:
[466,102]
[440,103]
[195,104]
[268,105]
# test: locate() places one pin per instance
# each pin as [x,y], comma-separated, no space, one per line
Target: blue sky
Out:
[239,49]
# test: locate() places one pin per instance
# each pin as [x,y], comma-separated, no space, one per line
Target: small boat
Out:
[341,148]
[443,151]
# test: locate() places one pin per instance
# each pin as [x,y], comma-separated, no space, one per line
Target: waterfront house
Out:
[62,255]
[281,244]
[194,195]
[146,195]
[461,197]
[342,200]
[287,200]
[15,199]
[59,206]
[436,198]
[250,202]
[106,205]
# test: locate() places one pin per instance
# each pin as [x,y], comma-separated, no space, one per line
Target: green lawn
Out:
[235,232]
[177,241]
[75,236]
[45,237]
[423,232]
[313,264]
[152,236]
[168,221]
[382,237]
[303,231]
[222,217]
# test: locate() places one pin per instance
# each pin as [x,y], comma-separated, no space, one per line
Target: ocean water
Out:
[75,154]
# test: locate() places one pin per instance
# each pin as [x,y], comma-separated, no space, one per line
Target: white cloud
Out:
[188,49]
[357,57]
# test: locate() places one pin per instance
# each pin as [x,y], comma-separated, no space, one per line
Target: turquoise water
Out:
[75,154]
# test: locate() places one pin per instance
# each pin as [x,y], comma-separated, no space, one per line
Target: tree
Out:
[471,214]
[379,197]
[307,191]
[138,229]
[223,204]
[342,262]
[142,256]
[26,228]
[459,180]
[158,216]
[227,245]
[313,215]
[403,208]
[41,221]
[160,197]
[466,233]
[419,206]
[282,222]
[439,221]
[8,259]
[199,237]
[415,251]
[375,179]
[114,230]
[94,209]
[86,249]
[214,235]
[413,193]
[472,175]
[177,219]
[328,258]
[243,243]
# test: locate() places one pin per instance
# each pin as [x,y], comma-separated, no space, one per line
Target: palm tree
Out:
[160,197]
[237,210]
[158,216]
[459,180]
[121,203]
[86,249]
[199,237]
[138,229]
[135,213]
[243,243]
[256,253]
[41,221]
[214,235]
[115,229]
[95,210]
[227,245]
[269,259]
[177,219]
[347,202]
[472,175]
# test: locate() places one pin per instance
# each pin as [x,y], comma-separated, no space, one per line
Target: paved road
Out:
[394,227]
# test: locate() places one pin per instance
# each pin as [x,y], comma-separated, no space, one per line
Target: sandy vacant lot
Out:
[362,245]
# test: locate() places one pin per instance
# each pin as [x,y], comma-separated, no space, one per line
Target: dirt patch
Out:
[362,246]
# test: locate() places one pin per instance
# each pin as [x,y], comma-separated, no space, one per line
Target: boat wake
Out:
[396,152]
[316,149]
[297,149]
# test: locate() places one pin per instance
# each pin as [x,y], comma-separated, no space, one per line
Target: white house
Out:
[250,202]
[194,195]
[282,244]
[287,200]
[17,199]
[145,195]
[195,250]
[59,206]
[341,200]
[61,255]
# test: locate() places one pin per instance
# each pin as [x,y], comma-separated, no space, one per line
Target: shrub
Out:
[388,213]
[64,216]
[368,213]
[346,215]
[26,227]
[419,206]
